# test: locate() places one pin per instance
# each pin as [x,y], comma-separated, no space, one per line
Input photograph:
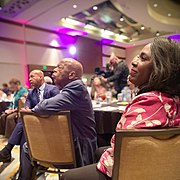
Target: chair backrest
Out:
[147,154]
[49,138]
[21,103]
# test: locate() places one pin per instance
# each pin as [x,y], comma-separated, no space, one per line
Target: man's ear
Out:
[72,75]
[41,77]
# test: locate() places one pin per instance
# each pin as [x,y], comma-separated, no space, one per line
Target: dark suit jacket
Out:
[119,77]
[32,99]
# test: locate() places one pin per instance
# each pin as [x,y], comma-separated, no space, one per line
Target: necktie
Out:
[38,94]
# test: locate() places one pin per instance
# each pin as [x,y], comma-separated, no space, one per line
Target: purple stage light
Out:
[107,41]
[72,50]
[175,37]
[72,32]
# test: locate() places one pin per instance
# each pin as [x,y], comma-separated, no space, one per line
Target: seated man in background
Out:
[6,89]
[8,119]
[74,97]
[36,78]
[48,80]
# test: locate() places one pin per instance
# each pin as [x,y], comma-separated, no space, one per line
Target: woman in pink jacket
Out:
[156,73]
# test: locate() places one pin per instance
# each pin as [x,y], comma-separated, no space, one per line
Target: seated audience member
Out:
[6,89]
[120,73]
[74,97]
[155,71]
[7,120]
[36,78]
[48,80]
[3,96]
[18,91]
[98,88]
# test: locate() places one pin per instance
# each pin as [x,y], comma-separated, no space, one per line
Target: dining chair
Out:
[21,102]
[147,154]
[50,142]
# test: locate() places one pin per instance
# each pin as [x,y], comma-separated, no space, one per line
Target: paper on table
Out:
[96,106]
[121,108]
[108,108]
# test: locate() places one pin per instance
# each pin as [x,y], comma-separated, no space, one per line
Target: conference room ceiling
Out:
[123,21]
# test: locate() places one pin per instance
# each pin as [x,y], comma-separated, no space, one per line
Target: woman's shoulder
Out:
[154,95]
[151,109]
[154,99]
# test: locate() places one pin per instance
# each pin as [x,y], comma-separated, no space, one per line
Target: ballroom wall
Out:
[22,46]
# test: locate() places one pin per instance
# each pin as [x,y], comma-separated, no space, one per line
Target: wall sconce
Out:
[72,50]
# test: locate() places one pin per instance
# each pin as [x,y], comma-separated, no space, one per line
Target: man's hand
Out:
[26,109]
[9,111]
[103,79]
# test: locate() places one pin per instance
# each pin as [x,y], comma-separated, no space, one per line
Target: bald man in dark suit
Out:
[40,91]
[74,97]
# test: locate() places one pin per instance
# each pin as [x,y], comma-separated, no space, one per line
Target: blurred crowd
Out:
[111,81]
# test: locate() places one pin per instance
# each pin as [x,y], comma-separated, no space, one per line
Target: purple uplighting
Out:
[72,32]
[107,41]
[175,37]
[66,40]
[68,37]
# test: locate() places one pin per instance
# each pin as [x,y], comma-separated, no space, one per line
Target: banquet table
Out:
[107,117]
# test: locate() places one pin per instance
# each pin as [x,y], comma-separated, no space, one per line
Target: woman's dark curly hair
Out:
[165,76]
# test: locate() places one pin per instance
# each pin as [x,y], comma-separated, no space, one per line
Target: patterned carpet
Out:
[8,170]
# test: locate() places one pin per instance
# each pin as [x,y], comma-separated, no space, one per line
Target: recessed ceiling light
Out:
[169,14]
[155,5]
[157,33]
[142,27]
[95,8]
[121,18]
[74,6]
